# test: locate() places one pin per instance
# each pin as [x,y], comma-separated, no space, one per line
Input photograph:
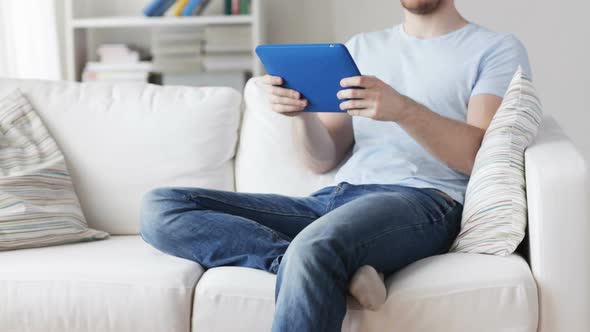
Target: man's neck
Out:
[446,19]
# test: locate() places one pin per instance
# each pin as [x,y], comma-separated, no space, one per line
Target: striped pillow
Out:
[495,211]
[38,204]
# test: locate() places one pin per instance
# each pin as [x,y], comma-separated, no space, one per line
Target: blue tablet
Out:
[315,70]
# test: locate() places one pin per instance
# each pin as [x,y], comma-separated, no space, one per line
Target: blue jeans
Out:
[314,244]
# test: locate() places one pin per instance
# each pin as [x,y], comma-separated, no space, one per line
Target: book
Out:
[244,7]
[224,48]
[117,53]
[178,50]
[235,7]
[178,66]
[117,63]
[113,47]
[228,6]
[234,79]
[93,76]
[234,38]
[131,72]
[225,62]
[162,50]
[191,7]
[178,41]
[195,7]
[180,5]
[119,67]
[174,38]
[202,6]
[158,7]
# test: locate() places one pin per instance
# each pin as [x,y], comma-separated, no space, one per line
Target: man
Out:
[432,86]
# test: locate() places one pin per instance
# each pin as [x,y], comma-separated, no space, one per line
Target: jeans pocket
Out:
[449,200]
[441,204]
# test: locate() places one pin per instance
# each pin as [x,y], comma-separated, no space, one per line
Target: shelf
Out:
[166,21]
[127,25]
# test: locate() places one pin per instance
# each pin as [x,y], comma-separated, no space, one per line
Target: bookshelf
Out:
[90,22]
[147,22]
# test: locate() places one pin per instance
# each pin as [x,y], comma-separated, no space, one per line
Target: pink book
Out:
[235,7]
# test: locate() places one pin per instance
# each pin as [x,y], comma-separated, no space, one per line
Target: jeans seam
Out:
[421,225]
[251,208]
[332,201]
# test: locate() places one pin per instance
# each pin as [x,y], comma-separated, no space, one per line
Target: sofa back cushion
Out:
[39,206]
[120,141]
[266,161]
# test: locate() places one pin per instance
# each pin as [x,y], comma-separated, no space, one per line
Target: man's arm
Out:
[322,139]
[453,142]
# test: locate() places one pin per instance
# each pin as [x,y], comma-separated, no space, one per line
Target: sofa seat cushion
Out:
[119,284]
[451,293]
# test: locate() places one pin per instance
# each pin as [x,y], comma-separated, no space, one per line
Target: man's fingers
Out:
[358,81]
[352,94]
[288,101]
[286,108]
[363,113]
[360,104]
[282,92]
[272,80]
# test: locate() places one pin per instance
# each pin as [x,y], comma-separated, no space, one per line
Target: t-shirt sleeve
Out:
[352,46]
[498,65]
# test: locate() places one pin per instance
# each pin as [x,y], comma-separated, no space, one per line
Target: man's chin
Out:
[421,7]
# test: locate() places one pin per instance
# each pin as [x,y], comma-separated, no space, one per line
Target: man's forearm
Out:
[453,142]
[314,144]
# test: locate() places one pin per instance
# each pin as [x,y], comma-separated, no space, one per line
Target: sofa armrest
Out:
[559,230]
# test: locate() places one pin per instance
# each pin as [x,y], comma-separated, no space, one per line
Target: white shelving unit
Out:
[87,20]
[153,22]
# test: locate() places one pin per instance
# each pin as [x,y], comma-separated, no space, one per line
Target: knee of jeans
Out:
[310,249]
[153,214]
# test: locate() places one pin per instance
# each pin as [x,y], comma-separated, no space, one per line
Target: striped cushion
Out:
[38,204]
[495,211]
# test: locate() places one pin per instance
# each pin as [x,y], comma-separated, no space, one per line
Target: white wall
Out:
[299,21]
[350,18]
[556,33]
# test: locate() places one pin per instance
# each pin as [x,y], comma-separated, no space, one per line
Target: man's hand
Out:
[376,100]
[284,101]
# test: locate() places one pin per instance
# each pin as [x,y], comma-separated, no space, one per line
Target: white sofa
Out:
[122,140]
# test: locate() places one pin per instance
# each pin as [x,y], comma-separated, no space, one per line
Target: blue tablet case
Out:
[315,70]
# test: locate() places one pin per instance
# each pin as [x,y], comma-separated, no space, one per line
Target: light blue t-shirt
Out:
[441,73]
